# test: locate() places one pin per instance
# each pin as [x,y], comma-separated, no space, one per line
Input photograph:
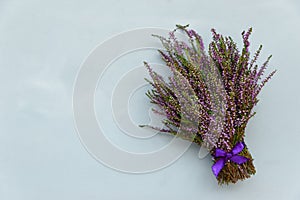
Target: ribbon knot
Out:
[224,157]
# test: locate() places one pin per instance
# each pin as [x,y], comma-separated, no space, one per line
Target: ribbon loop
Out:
[238,148]
[220,153]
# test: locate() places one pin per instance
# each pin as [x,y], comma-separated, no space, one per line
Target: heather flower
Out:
[210,97]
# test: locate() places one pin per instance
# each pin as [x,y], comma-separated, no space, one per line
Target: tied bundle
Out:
[209,97]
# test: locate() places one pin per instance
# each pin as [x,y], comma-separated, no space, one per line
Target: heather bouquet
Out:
[209,96]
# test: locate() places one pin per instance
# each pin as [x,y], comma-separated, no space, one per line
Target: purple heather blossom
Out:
[210,95]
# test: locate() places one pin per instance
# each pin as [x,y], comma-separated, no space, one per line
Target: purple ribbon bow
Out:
[231,156]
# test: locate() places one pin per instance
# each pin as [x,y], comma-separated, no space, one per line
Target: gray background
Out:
[43,43]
